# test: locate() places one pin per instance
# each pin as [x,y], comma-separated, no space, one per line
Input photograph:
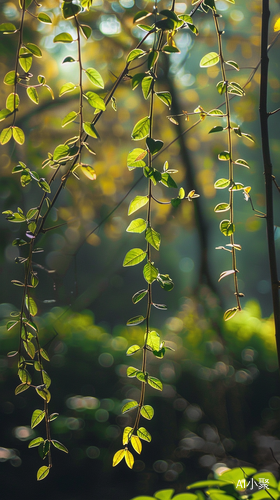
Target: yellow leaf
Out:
[129,458]
[136,443]
[118,457]
[277,25]
[126,435]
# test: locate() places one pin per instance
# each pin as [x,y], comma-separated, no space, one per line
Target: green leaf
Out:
[44,354]
[95,101]
[12,102]
[165,282]
[169,49]
[206,484]
[141,376]
[37,417]
[129,406]
[153,341]
[141,129]
[147,412]
[218,128]
[237,186]
[168,181]
[7,28]
[18,135]
[131,372]
[147,86]
[224,156]
[10,78]
[152,58]
[95,77]
[222,183]
[233,64]
[227,228]
[61,152]
[142,14]
[135,54]
[44,18]
[59,445]
[36,442]
[221,87]
[209,59]
[46,379]
[25,60]
[44,185]
[235,88]
[53,416]
[33,94]
[139,296]
[154,145]
[20,388]
[11,324]
[90,130]
[143,434]
[239,161]
[68,59]
[85,30]
[134,257]
[31,305]
[132,350]
[34,49]
[6,135]
[137,226]
[153,237]
[135,158]
[4,113]
[155,383]
[70,10]
[137,203]
[42,472]
[63,38]
[266,475]
[222,207]
[44,393]
[216,112]
[137,79]
[67,87]
[69,118]
[136,320]
[150,273]
[165,97]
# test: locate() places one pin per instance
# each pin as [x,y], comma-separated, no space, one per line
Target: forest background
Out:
[220,401]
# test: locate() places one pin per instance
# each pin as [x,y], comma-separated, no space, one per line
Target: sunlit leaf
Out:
[141,129]
[139,296]
[31,305]
[153,341]
[67,87]
[222,183]
[44,18]
[137,226]
[37,417]
[144,434]
[95,77]
[42,472]
[34,49]
[95,101]
[222,207]
[119,455]
[6,135]
[129,406]
[230,313]
[59,445]
[36,442]
[147,412]
[63,38]
[69,118]
[90,130]
[135,54]
[227,227]
[134,257]
[137,203]
[132,350]
[7,28]
[127,434]
[33,94]
[136,320]
[10,78]
[136,444]
[150,272]
[44,393]
[209,59]
[155,383]
[129,458]
[165,97]
[153,237]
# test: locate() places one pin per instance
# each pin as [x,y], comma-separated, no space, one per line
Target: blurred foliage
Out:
[220,400]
